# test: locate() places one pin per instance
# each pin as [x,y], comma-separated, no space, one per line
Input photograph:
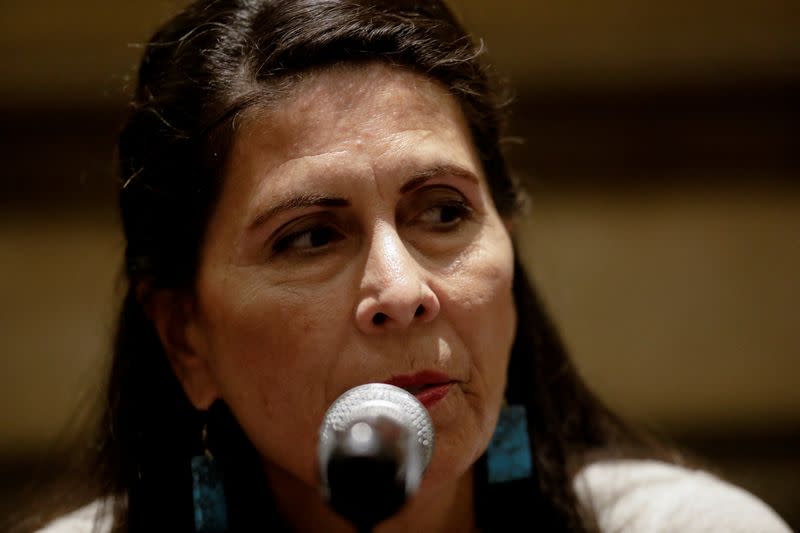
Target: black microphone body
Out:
[365,473]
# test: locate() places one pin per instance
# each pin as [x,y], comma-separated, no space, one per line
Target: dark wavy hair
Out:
[199,72]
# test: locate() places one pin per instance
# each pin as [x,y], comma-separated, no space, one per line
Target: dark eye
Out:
[310,239]
[445,215]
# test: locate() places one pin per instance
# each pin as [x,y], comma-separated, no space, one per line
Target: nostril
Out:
[420,310]
[379,319]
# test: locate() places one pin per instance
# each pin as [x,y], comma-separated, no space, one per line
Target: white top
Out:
[656,497]
[627,496]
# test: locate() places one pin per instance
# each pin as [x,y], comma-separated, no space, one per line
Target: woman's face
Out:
[355,241]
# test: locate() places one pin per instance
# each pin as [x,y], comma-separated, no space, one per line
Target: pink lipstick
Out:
[429,386]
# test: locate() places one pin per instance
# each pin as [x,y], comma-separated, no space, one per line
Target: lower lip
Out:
[433,395]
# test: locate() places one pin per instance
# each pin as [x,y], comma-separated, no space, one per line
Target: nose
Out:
[395,290]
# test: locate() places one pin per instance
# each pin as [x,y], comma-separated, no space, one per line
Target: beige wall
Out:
[56,50]
[679,305]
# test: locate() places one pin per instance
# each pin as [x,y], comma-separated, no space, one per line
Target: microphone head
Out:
[376,422]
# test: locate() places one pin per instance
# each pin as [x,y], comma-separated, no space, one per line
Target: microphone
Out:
[375,442]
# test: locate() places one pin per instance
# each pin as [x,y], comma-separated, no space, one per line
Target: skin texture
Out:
[359,196]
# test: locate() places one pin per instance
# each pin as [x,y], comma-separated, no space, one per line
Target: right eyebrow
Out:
[297,202]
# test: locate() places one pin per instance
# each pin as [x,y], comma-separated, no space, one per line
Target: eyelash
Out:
[463,212]
[284,243]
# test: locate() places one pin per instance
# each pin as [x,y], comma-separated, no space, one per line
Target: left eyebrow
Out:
[420,177]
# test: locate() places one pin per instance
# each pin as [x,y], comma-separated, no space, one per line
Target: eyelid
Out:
[462,211]
[293,238]
[443,192]
[470,190]
[412,211]
[298,226]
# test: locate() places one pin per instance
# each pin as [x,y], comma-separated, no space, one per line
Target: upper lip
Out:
[423,378]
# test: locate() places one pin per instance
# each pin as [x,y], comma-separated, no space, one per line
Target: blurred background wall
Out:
[658,140]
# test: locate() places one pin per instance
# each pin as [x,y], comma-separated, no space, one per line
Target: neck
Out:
[444,508]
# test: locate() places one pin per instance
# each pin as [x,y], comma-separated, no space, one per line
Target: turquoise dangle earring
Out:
[509,453]
[208,494]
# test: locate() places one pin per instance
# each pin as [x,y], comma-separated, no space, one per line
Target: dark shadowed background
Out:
[659,141]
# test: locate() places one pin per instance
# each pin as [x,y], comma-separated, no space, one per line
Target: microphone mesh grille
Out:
[380,399]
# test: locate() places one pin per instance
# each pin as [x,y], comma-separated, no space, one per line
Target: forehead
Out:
[352,106]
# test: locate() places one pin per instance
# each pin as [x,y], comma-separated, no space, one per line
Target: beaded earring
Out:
[208,494]
[509,453]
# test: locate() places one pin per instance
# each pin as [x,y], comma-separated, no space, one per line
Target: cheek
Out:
[266,336]
[272,354]
[488,321]
[480,306]
[482,314]
[483,307]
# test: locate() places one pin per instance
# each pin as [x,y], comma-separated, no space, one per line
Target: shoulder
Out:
[95,517]
[636,495]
